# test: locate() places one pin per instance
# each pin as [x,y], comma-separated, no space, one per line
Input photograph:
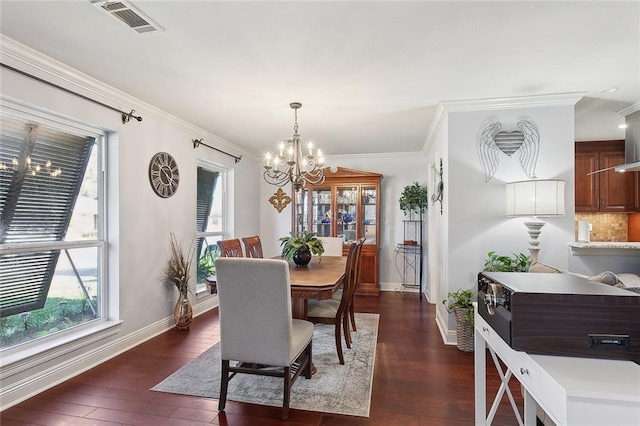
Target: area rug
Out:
[335,388]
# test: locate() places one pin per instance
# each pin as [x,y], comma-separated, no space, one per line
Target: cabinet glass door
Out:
[347,214]
[369,200]
[321,213]
[301,210]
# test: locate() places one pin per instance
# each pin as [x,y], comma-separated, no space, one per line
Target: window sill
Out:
[28,355]
[207,287]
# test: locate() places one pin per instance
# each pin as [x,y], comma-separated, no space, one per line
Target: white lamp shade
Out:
[541,197]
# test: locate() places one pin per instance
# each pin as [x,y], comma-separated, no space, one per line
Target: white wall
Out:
[476,209]
[438,246]
[398,170]
[140,222]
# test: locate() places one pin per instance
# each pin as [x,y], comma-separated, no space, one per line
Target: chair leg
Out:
[339,342]
[224,384]
[308,370]
[287,393]
[346,330]
[352,316]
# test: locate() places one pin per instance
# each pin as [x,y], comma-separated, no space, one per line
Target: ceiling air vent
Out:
[129,15]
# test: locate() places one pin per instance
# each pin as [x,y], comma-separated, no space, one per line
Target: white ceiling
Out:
[369,74]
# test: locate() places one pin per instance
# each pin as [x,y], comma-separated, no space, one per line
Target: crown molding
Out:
[537,101]
[373,155]
[434,128]
[29,60]
[630,109]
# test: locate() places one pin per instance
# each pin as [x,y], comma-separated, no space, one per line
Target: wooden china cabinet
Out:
[346,205]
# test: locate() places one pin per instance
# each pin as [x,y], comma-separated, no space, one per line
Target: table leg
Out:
[299,308]
[480,372]
[529,409]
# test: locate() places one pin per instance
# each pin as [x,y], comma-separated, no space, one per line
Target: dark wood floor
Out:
[417,381]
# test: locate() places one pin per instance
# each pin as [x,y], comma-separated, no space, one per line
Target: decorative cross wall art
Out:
[279,200]
[525,141]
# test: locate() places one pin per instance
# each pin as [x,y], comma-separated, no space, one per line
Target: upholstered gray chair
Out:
[257,331]
[332,246]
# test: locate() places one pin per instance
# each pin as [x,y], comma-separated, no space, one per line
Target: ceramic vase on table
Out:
[302,257]
[183,312]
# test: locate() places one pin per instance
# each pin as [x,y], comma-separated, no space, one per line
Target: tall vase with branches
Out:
[177,272]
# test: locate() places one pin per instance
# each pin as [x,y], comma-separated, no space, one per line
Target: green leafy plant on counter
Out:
[500,263]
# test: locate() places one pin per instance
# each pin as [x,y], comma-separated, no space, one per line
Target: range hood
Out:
[632,144]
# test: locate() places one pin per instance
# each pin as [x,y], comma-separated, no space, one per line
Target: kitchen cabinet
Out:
[607,191]
[346,205]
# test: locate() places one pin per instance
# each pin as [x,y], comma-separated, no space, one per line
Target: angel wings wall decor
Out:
[492,140]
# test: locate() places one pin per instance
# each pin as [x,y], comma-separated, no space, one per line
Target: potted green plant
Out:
[461,304]
[500,263]
[300,246]
[414,199]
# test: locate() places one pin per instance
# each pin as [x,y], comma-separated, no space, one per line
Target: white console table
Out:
[572,391]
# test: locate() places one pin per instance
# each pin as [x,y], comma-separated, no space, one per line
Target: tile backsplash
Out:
[606,226]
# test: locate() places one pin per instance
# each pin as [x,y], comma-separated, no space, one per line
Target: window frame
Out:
[103,326]
[222,183]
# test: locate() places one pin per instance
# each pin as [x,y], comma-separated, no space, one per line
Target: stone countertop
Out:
[607,245]
[605,248]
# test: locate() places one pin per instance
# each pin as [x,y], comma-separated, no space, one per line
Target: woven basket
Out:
[464,329]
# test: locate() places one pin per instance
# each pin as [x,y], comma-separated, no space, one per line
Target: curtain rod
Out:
[126,116]
[198,142]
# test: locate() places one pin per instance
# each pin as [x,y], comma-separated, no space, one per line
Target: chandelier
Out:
[291,164]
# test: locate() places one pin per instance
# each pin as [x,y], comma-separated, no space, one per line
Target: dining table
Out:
[317,280]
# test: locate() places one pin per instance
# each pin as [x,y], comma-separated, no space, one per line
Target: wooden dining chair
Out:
[330,311]
[356,271]
[338,294]
[258,332]
[253,246]
[230,248]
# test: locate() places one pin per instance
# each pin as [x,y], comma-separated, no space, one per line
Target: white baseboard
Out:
[45,379]
[448,336]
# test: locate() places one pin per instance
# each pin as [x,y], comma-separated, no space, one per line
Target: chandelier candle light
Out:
[291,164]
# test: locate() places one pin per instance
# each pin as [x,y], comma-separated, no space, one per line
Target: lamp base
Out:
[534,228]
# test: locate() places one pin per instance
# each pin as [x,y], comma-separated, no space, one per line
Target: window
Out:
[50,228]
[210,221]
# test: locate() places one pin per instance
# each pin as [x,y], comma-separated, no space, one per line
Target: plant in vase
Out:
[461,304]
[300,246]
[414,199]
[177,273]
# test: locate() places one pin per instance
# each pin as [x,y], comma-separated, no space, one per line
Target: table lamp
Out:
[536,198]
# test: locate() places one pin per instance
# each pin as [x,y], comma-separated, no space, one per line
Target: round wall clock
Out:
[164,175]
